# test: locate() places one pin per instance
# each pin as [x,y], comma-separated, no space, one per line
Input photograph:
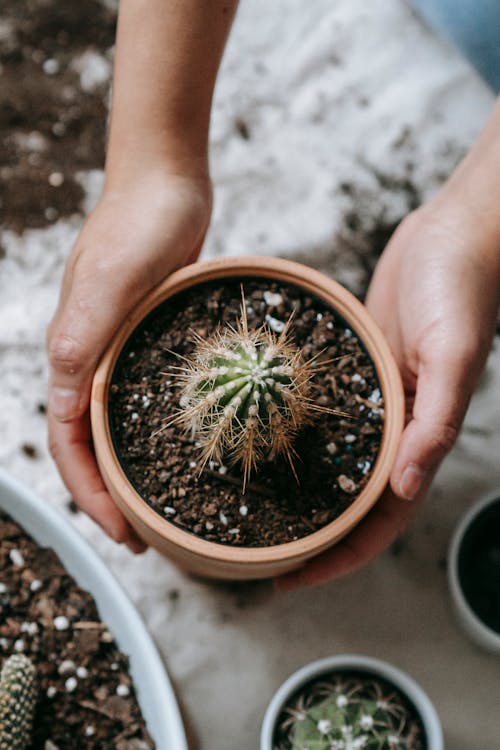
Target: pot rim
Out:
[361,663]
[478,630]
[49,528]
[354,314]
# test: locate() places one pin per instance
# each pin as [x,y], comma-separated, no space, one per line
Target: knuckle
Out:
[65,353]
[444,438]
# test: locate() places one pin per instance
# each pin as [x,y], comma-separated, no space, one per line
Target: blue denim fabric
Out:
[473,26]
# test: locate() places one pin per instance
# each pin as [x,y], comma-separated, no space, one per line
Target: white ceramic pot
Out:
[354,663]
[476,629]
[154,691]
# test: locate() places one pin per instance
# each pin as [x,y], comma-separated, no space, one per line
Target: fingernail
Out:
[64,403]
[411,482]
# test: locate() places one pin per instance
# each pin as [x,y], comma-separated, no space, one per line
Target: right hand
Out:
[136,236]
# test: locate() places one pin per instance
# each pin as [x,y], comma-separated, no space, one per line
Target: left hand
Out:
[435,294]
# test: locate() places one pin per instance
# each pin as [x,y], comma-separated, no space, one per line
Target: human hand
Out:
[135,237]
[435,294]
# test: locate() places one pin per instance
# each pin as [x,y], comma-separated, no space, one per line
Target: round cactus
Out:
[17,702]
[246,394]
[349,714]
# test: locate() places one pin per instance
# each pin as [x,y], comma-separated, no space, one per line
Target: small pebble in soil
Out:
[61,622]
[71,684]
[16,558]
[273,299]
[278,326]
[346,484]
[67,667]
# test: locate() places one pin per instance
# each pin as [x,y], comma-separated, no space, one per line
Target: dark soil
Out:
[50,127]
[86,696]
[336,455]
[479,566]
[365,685]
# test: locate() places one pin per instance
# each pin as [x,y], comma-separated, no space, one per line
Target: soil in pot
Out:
[349,709]
[86,698]
[335,455]
[479,565]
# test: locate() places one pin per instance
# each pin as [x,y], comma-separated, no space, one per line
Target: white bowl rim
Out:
[168,732]
[378,667]
[481,633]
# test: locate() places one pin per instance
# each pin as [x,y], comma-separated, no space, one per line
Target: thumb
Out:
[444,388]
[96,297]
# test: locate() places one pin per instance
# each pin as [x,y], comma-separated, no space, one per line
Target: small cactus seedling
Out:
[350,714]
[17,702]
[245,395]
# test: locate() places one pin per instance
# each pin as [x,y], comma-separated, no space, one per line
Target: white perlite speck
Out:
[346,484]
[19,645]
[123,690]
[272,299]
[82,673]
[29,627]
[349,438]
[169,511]
[51,691]
[243,510]
[375,396]
[3,588]
[89,731]
[61,622]
[223,518]
[66,667]
[51,67]
[16,557]
[36,585]
[274,324]
[71,684]
[331,448]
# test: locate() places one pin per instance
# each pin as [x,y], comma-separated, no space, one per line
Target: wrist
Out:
[155,167]
[472,216]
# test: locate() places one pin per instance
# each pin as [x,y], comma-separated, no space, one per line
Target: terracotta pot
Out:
[214,560]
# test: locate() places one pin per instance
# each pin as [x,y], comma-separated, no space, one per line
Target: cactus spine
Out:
[350,714]
[245,395]
[17,702]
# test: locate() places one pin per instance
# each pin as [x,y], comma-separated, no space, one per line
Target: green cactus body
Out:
[352,716]
[245,394]
[17,702]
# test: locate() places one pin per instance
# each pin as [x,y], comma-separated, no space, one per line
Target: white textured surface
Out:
[298,74]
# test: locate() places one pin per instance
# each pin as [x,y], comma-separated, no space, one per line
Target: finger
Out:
[443,390]
[376,532]
[70,447]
